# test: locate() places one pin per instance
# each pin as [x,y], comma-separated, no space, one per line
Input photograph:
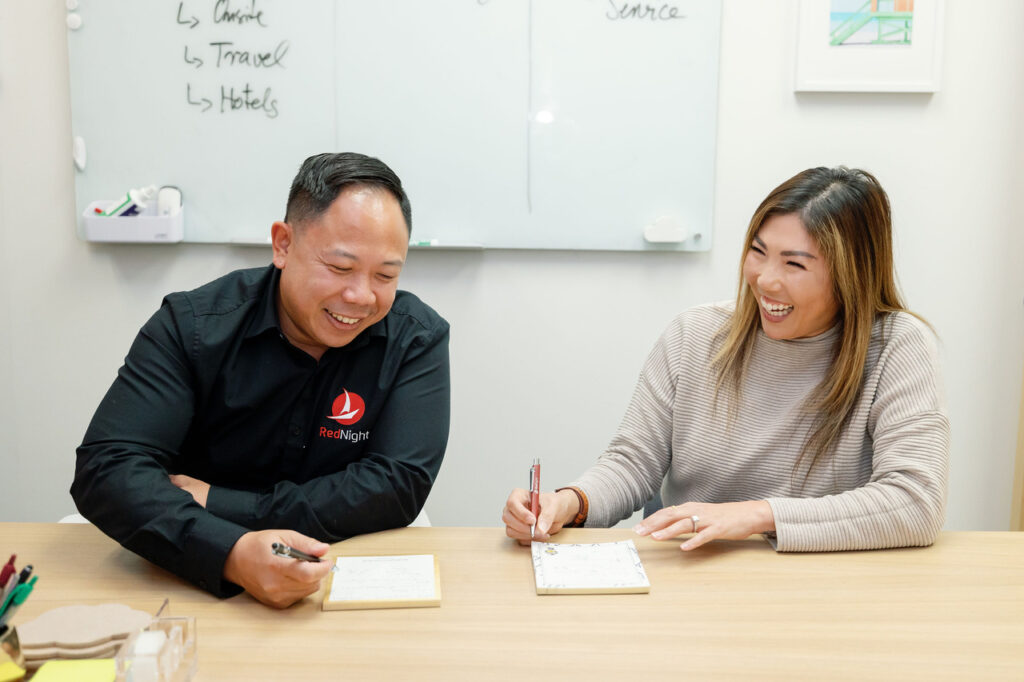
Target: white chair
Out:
[421,521]
[74,518]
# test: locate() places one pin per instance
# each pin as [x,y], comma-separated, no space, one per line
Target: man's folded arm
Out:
[384,489]
[121,474]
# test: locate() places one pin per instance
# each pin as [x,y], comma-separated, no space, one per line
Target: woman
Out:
[811,409]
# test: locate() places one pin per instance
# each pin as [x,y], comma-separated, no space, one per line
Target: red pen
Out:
[7,571]
[534,494]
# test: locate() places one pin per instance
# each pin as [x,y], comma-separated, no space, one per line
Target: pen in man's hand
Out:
[534,494]
[283,550]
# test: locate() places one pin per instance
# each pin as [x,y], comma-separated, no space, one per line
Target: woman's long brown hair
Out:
[847,213]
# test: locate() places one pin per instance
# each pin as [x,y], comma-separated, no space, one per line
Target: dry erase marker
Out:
[132,203]
[534,494]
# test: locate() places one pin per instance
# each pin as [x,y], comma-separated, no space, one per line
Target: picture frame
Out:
[891,50]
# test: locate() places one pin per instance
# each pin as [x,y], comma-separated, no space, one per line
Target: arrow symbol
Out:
[197,61]
[194,20]
[188,95]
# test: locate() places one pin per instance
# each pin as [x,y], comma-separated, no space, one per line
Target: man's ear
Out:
[282,238]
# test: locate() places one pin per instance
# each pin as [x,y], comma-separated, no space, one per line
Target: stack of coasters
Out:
[79,632]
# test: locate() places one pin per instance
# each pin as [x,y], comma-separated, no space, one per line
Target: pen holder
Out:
[163,652]
[12,662]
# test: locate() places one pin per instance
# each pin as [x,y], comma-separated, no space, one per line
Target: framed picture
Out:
[869,45]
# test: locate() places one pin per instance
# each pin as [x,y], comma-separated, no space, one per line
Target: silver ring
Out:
[694,519]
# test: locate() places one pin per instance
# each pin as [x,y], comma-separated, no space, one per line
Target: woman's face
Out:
[790,280]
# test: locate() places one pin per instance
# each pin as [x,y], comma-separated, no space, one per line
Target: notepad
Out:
[597,568]
[384,582]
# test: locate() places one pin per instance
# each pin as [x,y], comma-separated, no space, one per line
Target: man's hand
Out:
[199,490]
[271,579]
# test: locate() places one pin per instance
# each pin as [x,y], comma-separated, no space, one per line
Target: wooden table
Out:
[732,610]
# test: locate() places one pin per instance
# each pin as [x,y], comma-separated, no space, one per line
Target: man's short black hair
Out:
[322,177]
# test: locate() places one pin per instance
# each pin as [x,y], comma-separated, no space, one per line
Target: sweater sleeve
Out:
[903,502]
[632,468]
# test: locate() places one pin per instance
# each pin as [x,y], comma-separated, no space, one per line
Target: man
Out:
[301,403]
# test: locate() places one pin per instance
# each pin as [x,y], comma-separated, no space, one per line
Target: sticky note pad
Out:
[384,582]
[95,670]
[596,568]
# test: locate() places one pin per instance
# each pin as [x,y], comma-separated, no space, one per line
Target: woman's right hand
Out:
[556,510]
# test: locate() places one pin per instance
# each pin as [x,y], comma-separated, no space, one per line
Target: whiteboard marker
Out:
[132,203]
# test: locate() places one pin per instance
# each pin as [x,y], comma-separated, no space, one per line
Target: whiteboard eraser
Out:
[78,152]
[168,201]
[665,230]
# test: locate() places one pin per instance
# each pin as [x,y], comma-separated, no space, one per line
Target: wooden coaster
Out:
[105,650]
[81,626]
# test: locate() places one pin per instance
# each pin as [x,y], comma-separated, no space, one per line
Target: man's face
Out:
[339,272]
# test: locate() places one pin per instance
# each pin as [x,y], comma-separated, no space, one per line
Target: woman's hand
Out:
[556,510]
[726,521]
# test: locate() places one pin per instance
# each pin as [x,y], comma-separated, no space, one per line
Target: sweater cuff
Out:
[785,518]
[206,550]
[238,506]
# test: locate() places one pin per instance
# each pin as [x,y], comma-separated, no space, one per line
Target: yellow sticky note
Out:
[93,670]
[10,671]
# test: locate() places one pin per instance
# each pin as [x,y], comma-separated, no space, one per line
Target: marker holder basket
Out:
[146,227]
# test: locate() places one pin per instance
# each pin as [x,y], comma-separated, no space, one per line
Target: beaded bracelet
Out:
[581,516]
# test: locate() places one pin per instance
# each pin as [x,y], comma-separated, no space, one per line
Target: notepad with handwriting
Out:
[597,568]
[384,582]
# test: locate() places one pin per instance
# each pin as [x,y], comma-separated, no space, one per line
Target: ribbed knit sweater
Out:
[883,486]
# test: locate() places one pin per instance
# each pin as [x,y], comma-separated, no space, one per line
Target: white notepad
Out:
[596,568]
[384,582]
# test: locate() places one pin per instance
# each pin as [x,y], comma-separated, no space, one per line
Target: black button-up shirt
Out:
[211,389]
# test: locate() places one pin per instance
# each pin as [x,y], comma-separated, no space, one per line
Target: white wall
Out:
[546,345]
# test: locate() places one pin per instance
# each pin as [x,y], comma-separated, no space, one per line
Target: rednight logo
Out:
[347,408]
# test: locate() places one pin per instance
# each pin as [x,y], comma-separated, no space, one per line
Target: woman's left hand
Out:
[725,521]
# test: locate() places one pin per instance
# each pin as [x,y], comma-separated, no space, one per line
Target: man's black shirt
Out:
[211,389]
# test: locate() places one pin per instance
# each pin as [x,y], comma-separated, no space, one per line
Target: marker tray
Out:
[144,227]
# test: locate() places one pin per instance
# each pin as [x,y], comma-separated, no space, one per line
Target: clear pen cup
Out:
[163,652]
[11,658]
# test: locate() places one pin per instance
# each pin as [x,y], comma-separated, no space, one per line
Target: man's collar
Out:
[266,312]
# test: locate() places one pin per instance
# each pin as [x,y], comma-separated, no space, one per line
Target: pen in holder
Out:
[11,659]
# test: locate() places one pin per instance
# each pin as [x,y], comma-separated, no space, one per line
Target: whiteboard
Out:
[557,124]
